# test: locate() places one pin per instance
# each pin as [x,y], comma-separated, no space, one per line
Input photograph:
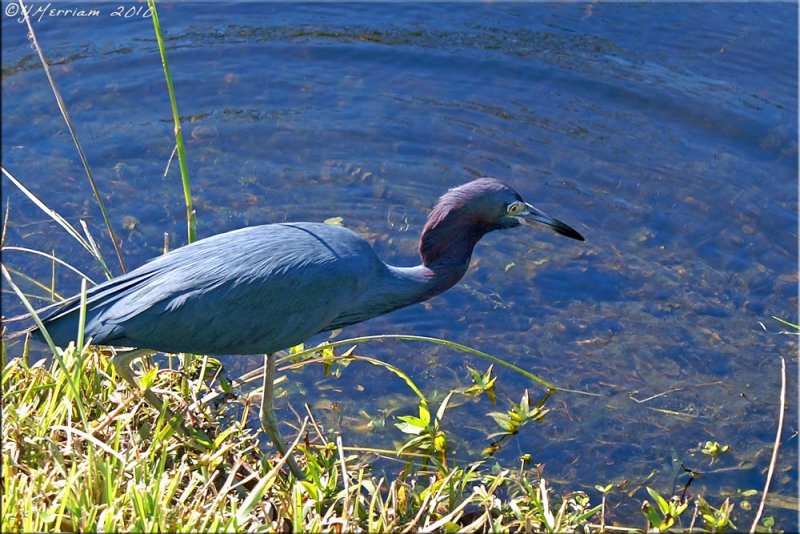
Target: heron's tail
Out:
[28,318]
[44,314]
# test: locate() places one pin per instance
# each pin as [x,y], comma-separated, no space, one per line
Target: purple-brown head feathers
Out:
[465,213]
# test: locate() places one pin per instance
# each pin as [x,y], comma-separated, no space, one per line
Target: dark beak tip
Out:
[537,217]
[573,235]
[568,231]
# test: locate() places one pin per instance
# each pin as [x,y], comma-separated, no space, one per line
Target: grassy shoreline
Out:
[128,470]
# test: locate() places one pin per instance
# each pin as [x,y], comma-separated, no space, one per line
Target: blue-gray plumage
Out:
[266,288]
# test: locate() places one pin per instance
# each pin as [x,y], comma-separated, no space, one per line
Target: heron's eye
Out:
[515,207]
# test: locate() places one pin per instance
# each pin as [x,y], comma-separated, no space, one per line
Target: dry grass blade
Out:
[5,224]
[51,257]
[71,128]
[775,448]
[88,437]
[449,518]
[61,221]
[346,482]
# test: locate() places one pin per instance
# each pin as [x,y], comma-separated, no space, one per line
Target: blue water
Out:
[666,134]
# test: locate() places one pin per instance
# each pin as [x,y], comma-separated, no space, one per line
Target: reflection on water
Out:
[666,134]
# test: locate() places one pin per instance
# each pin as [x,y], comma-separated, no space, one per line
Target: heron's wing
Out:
[258,289]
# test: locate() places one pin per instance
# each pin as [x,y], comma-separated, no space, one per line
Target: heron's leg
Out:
[268,421]
[122,365]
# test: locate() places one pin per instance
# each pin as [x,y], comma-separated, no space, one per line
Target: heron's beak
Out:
[535,216]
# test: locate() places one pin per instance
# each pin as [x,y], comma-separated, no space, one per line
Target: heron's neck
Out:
[443,265]
[445,247]
[417,284]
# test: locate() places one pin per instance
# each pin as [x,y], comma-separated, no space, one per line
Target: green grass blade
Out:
[436,341]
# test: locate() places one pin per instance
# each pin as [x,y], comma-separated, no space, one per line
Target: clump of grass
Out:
[124,470]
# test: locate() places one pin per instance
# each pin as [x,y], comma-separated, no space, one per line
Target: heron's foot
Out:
[122,365]
[197,438]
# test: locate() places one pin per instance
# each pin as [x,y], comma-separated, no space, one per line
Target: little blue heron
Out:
[265,288]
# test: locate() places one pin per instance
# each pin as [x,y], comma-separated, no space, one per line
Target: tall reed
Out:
[191,220]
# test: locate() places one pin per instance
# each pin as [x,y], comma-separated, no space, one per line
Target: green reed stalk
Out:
[191,220]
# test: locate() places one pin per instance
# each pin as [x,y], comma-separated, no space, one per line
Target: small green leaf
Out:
[652,516]
[504,421]
[490,450]
[524,404]
[440,442]
[415,421]
[476,376]
[491,394]
[411,424]
[226,385]
[424,414]
[148,378]
[420,443]
[662,504]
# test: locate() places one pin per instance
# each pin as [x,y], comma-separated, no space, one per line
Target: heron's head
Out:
[487,204]
[467,212]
